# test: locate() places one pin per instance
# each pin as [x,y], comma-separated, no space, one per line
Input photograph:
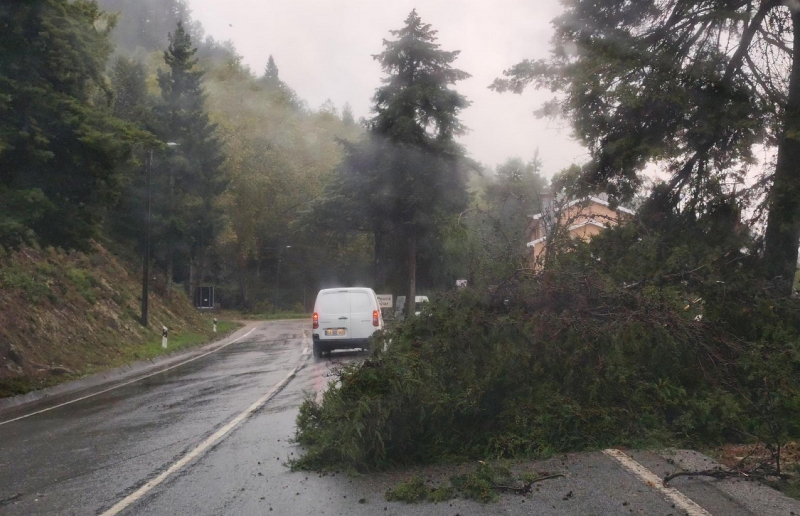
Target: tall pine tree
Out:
[270,77]
[191,176]
[59,143]
[347,115]
[279,90]
[416,111]
[133,103]
[408,171]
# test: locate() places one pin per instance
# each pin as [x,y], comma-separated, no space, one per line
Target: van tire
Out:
[317,350]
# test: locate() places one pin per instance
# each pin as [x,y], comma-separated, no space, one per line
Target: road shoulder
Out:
[15,406]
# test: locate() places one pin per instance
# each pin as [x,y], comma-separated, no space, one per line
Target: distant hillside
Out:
[64,315]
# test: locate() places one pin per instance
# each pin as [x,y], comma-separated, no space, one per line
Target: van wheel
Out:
[317,350]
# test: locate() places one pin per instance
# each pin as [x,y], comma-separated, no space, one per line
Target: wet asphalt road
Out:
[83,458]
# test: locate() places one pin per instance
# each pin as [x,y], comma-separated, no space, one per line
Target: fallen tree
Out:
[579,356]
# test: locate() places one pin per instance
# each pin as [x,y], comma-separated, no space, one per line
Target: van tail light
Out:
[315,318]
[376,317]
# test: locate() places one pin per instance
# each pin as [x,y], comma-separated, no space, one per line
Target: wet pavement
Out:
[241,401]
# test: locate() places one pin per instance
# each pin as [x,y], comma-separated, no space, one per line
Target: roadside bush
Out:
[565,360]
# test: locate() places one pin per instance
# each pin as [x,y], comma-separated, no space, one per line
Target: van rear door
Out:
[361,308]
[334,315]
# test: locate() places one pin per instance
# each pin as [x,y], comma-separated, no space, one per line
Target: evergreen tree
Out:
[347,115]
[270,77]
[417,112]
[59,143]
[145,23]
[192,178]
[129,84]
[408,172]
[328,109]
[279,91]
[133,103]
[696,85]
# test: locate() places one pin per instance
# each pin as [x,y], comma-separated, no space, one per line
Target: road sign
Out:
[385,300]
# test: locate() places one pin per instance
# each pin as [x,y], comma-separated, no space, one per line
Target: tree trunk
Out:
[783,222]
[380,280]
[241,272]
[170,232]
[169,272]
[412,274]
[190,288]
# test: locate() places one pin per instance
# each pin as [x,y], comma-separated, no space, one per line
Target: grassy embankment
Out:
[67,315]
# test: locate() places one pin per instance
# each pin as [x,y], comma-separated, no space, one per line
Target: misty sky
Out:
[324,49]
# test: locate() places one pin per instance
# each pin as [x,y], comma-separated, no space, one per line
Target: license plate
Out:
[335,331]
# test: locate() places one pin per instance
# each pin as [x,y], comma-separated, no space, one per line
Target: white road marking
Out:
[128,382]
[680,500]
[202,447]
[306,351]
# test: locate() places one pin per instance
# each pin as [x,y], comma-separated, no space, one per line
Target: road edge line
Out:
[205,445]
[652,480]
[129,381]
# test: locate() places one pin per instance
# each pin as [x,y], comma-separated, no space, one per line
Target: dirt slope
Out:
[64,315]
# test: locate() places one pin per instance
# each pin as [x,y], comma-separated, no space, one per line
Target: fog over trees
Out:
[267,198]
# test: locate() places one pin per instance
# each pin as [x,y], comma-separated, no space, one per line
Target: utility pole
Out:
[146,260]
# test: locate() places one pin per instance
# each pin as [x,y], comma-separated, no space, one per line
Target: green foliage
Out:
[661,82]
[479,485]
[277,89]
[59,142]
[84,282]
[482,485]
[488,242]
[32,285]
[573,358]
[145,24]
[408,173]
[190,179]
[412,491]
[277,158]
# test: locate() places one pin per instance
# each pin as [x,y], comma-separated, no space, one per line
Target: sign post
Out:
[164,332]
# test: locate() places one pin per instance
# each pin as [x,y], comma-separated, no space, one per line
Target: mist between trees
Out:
[249,189]
[679,326]
[110,107]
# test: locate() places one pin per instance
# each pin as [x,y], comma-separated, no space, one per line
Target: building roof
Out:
[571,228]
[592,199]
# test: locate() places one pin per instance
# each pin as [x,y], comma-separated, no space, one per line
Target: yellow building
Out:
[583,219]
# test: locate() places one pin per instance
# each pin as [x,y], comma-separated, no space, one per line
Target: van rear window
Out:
[335,303]
[359,303]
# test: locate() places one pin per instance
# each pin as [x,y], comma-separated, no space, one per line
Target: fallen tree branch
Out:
[6,501]
[714,473]
[526,488]
[758,472]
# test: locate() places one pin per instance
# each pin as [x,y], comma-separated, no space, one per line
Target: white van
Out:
[344,318]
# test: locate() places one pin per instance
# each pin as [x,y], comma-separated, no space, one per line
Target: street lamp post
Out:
[146,259]
[146,264]
[278,277]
